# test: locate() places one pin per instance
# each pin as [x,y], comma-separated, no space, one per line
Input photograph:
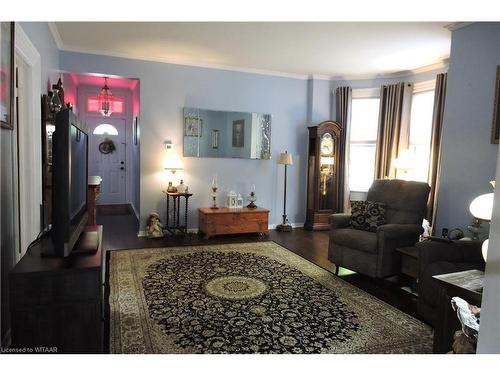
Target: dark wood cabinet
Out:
[56,303]
[324,166]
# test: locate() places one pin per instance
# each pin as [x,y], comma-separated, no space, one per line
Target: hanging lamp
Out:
[105,98]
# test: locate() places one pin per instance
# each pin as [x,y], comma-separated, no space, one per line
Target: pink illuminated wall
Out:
[116,104]
[71,82]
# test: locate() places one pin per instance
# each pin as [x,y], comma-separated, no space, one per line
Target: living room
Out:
[247,189]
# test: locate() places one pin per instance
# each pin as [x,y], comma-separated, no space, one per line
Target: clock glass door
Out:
[326,172]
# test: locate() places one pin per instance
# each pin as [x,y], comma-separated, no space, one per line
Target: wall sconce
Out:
[172,163]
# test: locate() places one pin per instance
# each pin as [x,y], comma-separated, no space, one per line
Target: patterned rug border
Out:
[356,298]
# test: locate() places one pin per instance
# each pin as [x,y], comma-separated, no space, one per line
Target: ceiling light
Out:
[105,97]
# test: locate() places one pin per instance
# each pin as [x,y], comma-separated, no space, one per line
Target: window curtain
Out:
[343,102]
[394,115]
[436,140]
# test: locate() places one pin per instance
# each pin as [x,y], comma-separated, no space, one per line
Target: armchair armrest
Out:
[395,231]
[339,221]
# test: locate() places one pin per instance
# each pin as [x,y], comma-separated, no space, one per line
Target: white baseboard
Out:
[294,225]
[142,233]
[135,210]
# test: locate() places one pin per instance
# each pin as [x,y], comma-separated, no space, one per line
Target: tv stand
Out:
[88,243]
[56,302]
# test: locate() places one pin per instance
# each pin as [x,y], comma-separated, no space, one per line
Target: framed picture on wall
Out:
[192,126]
[6,74]
[495,126]
[135,134]
[238,133]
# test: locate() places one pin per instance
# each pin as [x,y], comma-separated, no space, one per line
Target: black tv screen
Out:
[78,196]
[69,182]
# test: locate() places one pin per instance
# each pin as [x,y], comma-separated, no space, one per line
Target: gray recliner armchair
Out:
[373,253]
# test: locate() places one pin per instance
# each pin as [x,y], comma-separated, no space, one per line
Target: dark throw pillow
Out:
[367,215]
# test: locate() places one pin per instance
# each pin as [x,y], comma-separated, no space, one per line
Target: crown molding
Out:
[320,77]
[191,64]
[55,34]
[457,25]
[442,64]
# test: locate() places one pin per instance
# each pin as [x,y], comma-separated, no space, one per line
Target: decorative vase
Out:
[181,188]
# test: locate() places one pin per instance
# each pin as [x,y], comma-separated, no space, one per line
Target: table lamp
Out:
[172,164]
[284,159]
[405,164]
[484,248]
[481,208]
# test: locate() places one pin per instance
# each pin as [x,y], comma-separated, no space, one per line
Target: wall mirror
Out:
[222,134]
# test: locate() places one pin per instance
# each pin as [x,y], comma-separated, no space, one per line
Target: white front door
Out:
[110,166]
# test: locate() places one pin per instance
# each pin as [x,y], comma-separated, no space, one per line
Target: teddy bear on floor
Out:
[154,228]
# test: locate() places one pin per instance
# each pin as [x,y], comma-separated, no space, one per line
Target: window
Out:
[422,107]
[105,129]
[364,126]
[117,104]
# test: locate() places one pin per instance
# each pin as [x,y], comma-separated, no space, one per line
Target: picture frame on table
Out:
[7,75]
[495,126]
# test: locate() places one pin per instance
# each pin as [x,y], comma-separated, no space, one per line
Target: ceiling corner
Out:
[55,34]
[457,25]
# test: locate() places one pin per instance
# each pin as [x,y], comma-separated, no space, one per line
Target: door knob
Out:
[122,162]
[122,168]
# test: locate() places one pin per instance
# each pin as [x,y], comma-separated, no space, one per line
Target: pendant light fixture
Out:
[105,98]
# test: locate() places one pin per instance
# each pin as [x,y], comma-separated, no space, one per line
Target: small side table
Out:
[409,261]
[465,284]
[173,224]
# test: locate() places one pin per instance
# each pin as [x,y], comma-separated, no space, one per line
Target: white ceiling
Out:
[330,49]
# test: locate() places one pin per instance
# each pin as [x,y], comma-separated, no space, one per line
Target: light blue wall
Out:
[468,159]
[167,88]
[41,37]
[320,101]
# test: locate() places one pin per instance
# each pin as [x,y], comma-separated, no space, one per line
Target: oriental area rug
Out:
[247,298]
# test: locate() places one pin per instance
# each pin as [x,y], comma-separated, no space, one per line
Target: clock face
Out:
[327,144]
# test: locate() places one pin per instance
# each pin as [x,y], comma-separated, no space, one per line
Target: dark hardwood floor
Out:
[120,233]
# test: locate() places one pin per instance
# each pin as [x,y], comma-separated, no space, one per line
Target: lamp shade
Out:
[285,158]
[406,160]
[484,249]
[173,164]
[482,206]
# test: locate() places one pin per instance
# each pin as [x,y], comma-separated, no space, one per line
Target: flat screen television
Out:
[69,182]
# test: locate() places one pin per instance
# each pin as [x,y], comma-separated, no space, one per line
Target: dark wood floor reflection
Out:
[121,227]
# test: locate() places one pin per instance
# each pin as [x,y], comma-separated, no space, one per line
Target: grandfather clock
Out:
[324,167]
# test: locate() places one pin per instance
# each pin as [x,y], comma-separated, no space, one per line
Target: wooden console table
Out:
[233,220]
